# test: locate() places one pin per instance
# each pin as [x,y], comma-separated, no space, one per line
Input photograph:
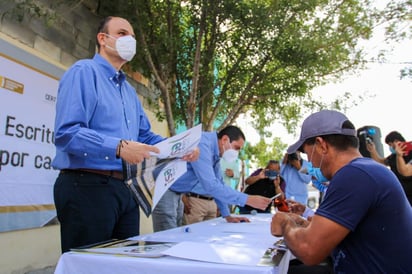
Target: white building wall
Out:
[60,45]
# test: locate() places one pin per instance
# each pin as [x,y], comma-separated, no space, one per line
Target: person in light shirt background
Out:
[231,176]
[231,172]
[293,171]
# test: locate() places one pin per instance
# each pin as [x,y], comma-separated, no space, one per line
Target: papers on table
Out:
[216,253]
[150,179]
[248,244]
[239,254]
[214,241]
[128,248]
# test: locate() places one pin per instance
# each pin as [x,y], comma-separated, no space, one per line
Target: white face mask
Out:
[125,46]
[230,155]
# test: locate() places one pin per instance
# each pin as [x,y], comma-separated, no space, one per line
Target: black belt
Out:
[109,173]
[195,195]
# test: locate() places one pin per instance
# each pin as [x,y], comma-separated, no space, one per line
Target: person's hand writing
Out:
[231,219]
[257,201]
[296,207]
[279,221]
[192,156]
[135,152]
[282,219]
[299,220]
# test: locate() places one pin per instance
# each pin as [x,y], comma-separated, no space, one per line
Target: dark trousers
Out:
[297,267]
[93,208]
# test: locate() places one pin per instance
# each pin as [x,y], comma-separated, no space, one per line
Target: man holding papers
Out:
[99,123]
[204,183]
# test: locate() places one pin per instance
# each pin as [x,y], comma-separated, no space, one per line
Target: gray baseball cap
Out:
[324,122]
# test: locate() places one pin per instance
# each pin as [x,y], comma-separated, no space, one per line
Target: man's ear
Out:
[101,38]
[321,144]
[225,138]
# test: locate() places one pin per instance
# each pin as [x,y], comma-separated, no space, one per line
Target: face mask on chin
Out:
[125,46]
[230,155]
[316,172]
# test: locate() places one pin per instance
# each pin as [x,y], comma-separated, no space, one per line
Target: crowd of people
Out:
[363,223]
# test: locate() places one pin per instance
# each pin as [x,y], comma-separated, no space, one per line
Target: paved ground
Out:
[46,270]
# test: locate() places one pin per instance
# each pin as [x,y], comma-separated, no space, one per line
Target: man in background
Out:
[204,186]
[266,182]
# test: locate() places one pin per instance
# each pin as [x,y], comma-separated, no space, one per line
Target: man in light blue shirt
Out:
[99,123]
[203,182]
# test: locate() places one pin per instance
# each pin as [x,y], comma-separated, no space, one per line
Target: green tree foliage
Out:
[215,59]
[264,151]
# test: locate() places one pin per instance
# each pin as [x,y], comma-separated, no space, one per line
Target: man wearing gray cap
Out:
[365,221]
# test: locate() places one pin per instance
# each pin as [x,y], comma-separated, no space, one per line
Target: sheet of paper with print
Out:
[179,145]
[150,179]
[166,177]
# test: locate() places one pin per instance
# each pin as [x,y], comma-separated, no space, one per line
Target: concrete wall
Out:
[59,41]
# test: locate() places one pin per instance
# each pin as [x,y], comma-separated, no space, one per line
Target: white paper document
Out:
[239,254]
[179,145]
[150,179]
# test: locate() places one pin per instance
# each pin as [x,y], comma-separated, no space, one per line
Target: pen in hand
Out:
[274,197]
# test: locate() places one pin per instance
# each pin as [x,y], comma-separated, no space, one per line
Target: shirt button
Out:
[107,157]
[128,121]
[85,154]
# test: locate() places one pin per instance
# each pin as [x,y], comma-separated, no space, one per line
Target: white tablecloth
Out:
[240,240]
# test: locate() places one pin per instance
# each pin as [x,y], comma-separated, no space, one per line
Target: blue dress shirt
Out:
[96,108]
[204,176]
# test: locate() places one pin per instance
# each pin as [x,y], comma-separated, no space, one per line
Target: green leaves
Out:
[213,60]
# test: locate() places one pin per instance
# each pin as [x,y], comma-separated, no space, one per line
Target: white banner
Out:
[27,110]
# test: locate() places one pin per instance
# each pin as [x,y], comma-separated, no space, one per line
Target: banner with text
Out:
[27,109]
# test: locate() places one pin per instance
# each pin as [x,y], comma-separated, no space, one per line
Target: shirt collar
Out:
[118,77]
